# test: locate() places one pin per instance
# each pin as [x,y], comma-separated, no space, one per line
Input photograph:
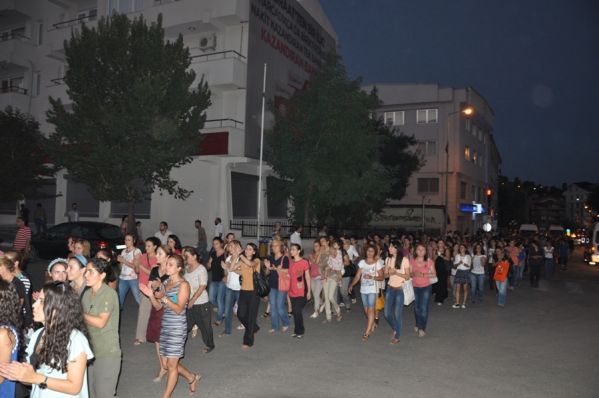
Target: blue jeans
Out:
[422,296]
[368,300]
[501,292]
[217,298]
[124,287]
[477,283]
[393,309]
[231,297]
[549,268]
[519,273]
[278,309]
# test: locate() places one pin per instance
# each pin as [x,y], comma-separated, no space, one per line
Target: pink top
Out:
[297,270]
[314,270]
[428,268]
[142,277]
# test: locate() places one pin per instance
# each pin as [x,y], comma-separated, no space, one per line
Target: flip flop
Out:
[194,383]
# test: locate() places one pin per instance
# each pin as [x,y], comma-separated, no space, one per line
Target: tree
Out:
[340,164]
[134,117]
[24,169]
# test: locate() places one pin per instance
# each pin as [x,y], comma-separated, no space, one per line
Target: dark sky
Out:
[536,62]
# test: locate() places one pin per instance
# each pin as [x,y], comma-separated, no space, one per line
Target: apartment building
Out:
[230,41]
[461,161]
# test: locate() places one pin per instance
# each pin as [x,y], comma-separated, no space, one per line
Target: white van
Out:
[527,230]
[595,245]
[555,231]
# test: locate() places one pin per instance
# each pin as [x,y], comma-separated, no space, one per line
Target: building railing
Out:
[13,36]
[74,22]
[59,81]
[221,123]
[217,56]
[13,89]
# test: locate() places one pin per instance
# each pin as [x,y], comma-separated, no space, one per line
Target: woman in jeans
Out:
[231,266]
[315,278]
[422,270]
[249,301]
[397,269]
[369,271]
[477,275]
[129,260]
[277,267]
[502,269]
[331,279]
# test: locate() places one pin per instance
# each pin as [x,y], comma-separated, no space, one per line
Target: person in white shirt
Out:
[218,228]
[548,250]
[73,214]
[232,268]
[462,263]
[199,311]
[163,232]
[129,261]
[296,236]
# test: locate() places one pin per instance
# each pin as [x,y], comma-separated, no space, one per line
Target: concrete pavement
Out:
[544,343]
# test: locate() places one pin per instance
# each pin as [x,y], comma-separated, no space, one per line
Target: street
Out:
[542,344]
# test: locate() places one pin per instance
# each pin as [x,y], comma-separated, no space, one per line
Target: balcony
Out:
[61,31]
[183,16]
[16,97]
[58,89]
[14,12]
[222,137]
[222,70]
[16,50]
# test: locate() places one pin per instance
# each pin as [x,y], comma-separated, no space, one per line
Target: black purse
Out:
[261,286]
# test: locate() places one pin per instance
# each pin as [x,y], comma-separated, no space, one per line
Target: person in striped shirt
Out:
[22,240]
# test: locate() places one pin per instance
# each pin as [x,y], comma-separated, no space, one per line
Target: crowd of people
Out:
[64,339]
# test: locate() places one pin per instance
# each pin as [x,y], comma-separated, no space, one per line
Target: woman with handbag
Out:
[369,271]
[300,288]
[397,269]
[277,268]
[422,270]
[249,300]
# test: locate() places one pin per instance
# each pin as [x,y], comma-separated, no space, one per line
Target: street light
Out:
[467,111]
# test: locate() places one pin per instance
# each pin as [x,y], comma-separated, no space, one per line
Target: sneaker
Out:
[354,301]
[314,315]
[342,304]
[240,327]
[299,336]
[421,333]
[439,304]
[285,329]
[456,305]
[463,306]
[294,335]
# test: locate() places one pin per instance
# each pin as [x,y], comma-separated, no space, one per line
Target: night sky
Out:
[536,62]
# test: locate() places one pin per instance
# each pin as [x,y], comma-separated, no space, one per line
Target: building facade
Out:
[461,160]
[230,41]
[578,211]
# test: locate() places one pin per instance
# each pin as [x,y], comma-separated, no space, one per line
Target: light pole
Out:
[466,111]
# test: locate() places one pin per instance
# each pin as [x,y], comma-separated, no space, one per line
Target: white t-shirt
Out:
[369,285]
[73,215]
[77,344]
[218,230]
[233,279]
[163,238]
[465,260]
[352,253]
[128,273]
[198,277]
[477,264]
[548,250]
[296,238]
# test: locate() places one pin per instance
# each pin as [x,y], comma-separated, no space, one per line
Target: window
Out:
[475,158]
[40,34]
[427,148]
[428,185]
[125,6]
[244,191]
[78,192]
[467,152]
[426,116]
[38,83]
[142,209]
[463,189]
[395,118]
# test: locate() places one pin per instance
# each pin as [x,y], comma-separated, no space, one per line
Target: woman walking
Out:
[477,276]
[315,278]
[462,263]
[422,270]
[300,288]
[331,279]
[369,271]
[232,269]
[277,267]
[501,273]
[442,258]
[10,333]
[129,260]
[199,312]
[146,262]
[101,314]
[173,332]
[249,301]
[549,253]
[57,353]
[397,270]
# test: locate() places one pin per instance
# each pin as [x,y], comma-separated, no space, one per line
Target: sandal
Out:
[194,331]
[194,383]
[161,374]
[266,314]
[394,341]
[207,350]
[365,337]
[138,342]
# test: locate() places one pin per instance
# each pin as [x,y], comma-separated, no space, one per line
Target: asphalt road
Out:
[544,343]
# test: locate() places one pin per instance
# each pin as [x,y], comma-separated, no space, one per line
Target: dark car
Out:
[53,243]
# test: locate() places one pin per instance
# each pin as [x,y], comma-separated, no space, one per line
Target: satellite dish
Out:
[487,227]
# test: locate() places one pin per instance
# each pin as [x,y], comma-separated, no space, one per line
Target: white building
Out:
[461,159]
[577,210]
[230,40]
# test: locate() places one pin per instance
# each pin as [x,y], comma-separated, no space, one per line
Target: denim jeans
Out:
[549,268]
[501,292]
[124,286]
[278,309]
[422,296]
[519,273]
[231,297]
[477,283]
[217,298]
[393,309]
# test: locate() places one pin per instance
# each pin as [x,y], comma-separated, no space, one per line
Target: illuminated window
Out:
[467,152]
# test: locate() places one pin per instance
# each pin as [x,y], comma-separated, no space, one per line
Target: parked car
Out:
[53,243]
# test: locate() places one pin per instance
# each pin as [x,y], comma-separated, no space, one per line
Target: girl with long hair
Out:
[397,270]
[146,262]
[129,260]
[277,268]
[76,273]
[233,286]
[10,333]
[422,270]
[463,263]
[331,279]
[174,243]
[199,311]
[58,352]
[369,271]
[315,277]
[174,297]
[249,301]
[300,288]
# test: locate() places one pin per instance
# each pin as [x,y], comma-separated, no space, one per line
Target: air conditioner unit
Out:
[208,42]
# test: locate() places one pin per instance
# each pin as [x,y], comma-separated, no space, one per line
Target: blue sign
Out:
[467,208]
